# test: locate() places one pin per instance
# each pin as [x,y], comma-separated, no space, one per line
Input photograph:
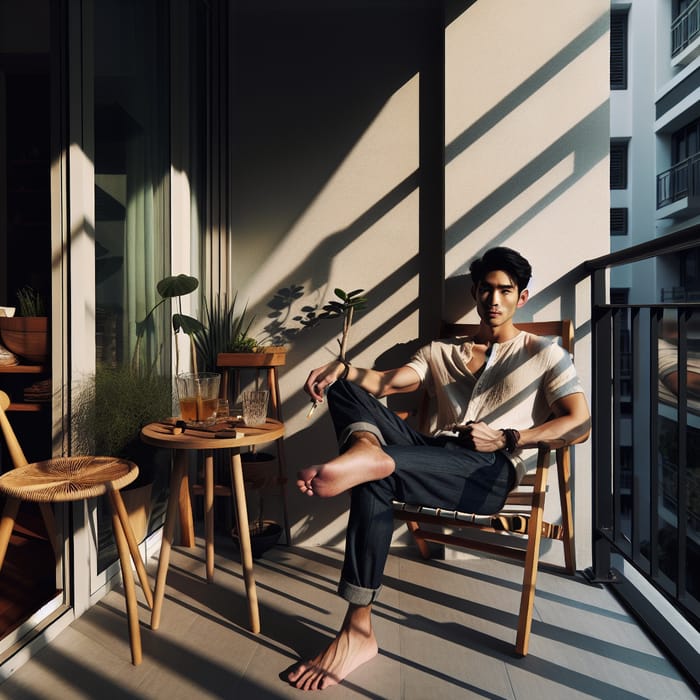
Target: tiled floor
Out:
[446,630]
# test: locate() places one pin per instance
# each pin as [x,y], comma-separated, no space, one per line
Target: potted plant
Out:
[27,334]
[110,409]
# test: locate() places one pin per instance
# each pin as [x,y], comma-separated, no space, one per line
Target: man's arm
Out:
[571,421]
[378,383]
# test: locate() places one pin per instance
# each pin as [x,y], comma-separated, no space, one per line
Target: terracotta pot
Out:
[26,336]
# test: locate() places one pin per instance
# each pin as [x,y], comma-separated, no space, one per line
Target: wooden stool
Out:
[269,360]
[74,479]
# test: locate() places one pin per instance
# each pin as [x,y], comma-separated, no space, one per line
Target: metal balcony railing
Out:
[646,448]
[685,28]
[681,180]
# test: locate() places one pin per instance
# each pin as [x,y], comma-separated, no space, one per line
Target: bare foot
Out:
[363,461]
[354,646]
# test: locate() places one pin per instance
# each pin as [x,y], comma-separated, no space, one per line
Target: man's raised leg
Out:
[363,461]
[354,645]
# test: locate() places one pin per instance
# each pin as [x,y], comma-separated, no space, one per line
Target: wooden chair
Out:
[522,517]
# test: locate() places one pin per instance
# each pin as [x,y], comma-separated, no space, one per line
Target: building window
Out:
[618,165]
[618,50]
[618,221]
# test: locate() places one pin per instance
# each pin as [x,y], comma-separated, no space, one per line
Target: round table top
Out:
[68,478]
[227,434]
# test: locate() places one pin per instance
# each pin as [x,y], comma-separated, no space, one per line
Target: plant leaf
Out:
[187,324]
[177,285]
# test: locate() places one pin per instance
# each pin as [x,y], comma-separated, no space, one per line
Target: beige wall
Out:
[335,184]
[526,143]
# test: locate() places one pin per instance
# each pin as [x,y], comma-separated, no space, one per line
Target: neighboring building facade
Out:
[655,191]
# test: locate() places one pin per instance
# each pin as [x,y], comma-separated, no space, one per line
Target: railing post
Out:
[602,436]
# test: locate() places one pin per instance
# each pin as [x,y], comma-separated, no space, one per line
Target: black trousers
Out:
[432,471]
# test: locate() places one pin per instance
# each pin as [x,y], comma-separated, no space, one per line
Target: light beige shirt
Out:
[521,380]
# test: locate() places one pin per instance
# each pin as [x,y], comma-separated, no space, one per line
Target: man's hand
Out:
[320,379]
[479,437]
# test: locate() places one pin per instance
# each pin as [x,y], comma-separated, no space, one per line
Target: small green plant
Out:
[223,331]
[31,303]
[349,304]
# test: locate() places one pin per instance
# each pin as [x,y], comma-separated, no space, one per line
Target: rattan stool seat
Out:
[68,478]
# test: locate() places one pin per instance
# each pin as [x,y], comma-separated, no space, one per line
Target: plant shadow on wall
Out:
[112,405]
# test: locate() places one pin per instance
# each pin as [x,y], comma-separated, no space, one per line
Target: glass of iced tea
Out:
[198,393]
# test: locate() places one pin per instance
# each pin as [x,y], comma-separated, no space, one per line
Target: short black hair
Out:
[502,258]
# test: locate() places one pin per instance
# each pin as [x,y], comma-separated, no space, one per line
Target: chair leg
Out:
[423,548]
[564,476]
[532,555]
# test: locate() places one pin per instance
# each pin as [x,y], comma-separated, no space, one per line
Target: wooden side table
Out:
[164,434]
[75,479]
[268,362]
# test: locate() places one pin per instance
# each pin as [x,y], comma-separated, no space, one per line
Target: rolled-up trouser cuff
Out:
[357,595]
[360,426]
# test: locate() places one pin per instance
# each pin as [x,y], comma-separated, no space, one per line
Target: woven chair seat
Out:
[515,522]
[67,478]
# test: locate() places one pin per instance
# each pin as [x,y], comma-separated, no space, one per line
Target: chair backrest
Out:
[16,453]
[563,329]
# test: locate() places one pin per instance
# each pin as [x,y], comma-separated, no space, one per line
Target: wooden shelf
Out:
[24,369]
[28,407]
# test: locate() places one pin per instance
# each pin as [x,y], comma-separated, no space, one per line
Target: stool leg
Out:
[7,524]
[244,539]
[209,512]
[176,478]
[128,580]
[118,505]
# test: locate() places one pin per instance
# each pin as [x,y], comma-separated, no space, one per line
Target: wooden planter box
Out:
[266,357]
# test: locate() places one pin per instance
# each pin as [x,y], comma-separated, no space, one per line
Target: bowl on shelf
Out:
[26,336]
[7,311]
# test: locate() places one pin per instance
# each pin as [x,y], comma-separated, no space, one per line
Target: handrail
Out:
[671,243]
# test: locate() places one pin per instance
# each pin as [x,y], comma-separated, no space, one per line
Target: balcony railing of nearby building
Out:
[679,294]
[685,28]
[646,448]
[681,180]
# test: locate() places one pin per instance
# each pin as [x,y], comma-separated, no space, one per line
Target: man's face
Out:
[497,298]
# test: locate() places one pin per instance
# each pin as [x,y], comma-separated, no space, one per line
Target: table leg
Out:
[176,478]
[120,510]
[209,512]
[244,539]
[127,579]
[185,504]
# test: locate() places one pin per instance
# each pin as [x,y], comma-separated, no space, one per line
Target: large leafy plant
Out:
[169,288]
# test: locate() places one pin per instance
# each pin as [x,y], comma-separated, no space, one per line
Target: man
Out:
[496,393]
